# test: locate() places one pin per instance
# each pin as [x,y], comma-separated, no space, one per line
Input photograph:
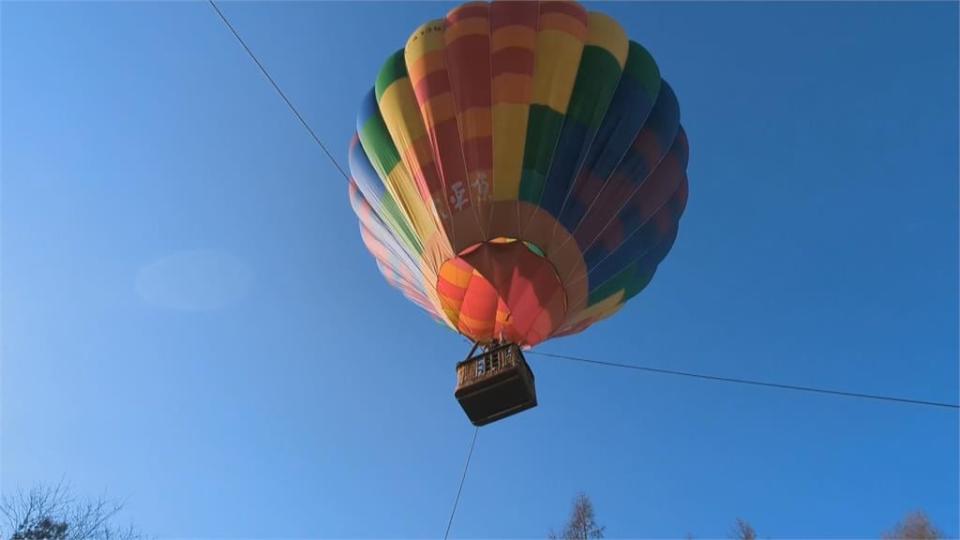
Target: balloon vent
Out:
[495,384]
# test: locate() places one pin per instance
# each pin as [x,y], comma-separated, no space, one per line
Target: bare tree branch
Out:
[743,531]
[52,513]
[915,526]
[582,524]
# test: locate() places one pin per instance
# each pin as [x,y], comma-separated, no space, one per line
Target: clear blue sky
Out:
[191,322]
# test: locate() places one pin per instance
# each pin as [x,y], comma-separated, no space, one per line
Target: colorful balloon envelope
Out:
[519,169]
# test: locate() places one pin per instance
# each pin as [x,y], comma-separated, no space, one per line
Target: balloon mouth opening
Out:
[502,290]
[500,240]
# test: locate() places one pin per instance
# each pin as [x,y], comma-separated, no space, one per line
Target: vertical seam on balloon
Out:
[380,208]
[544,305]
[632,234]
[493,130]
[556,142]
[473,274]
[456,115]
[449,236]
[583,159]
[643,181]
[520,229]
[626,200]
[601,190]
[399,281]
[526,147]
[443,184]
[566,280]
[403,251]
[675,228]
[434,141]
[402,154]
[562,327]
[613,170]
[401,257]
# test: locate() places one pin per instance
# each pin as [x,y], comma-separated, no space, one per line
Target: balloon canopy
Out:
[519,169]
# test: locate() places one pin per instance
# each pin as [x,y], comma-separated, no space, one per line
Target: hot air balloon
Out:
[519,172]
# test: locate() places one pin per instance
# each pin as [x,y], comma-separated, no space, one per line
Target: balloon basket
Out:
[495,384]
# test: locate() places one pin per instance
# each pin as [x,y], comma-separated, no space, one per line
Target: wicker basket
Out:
[495,384]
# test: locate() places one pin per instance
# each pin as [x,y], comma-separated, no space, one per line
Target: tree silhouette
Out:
[52,513]
[915,526]
[582,524]
[743,530]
